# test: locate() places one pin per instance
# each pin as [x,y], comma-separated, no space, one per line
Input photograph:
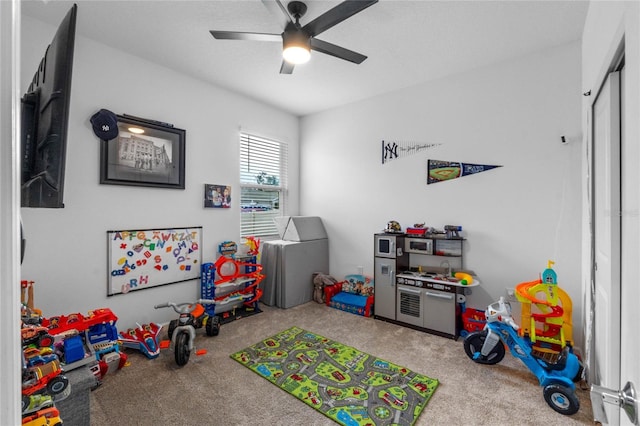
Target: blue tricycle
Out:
[557,376]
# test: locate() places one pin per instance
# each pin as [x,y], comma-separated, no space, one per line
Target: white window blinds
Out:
[263,184]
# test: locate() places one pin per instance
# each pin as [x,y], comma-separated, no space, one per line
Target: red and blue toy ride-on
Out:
[555,374]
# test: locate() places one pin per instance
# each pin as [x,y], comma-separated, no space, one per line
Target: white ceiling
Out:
[407,42]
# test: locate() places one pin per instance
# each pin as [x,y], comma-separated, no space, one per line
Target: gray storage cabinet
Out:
[288,264]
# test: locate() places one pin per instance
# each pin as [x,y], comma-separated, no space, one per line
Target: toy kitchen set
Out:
[419,278]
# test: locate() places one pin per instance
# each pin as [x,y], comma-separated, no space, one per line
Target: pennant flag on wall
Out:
[396,149]
[439,171]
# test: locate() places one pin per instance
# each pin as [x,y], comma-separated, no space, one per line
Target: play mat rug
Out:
[350,387]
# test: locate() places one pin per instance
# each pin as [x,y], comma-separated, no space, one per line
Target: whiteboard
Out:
[146,258]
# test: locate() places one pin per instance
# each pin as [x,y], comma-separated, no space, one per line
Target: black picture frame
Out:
[154,158]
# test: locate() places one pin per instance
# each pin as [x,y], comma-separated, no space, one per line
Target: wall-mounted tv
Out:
[45,117]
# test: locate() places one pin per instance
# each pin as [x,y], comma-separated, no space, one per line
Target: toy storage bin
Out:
[472,320]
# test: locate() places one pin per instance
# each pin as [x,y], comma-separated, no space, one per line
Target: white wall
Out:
[66,248]
[515,217]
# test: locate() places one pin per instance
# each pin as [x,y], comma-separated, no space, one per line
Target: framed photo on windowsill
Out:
[145,153]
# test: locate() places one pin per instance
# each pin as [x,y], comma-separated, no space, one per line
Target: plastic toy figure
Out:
[254,245]
[182,331]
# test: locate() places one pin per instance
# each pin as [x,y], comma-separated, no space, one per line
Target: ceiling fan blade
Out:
[336,15]
[278,11]
[286,67]
[337,51]
[236,35]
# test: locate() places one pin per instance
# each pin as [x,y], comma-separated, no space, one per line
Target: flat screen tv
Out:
[45,116]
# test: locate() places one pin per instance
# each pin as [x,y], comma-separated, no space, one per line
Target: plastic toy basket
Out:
[472,320]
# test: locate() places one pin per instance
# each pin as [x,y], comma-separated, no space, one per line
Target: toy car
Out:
[35,402]
[47,376]
[47,417]
[143,338]
[37,356]
[30,316]
[36,335]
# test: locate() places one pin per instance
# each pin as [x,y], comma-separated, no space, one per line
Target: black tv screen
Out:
[45,117]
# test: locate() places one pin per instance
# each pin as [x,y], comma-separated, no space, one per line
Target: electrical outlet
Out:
[511,294]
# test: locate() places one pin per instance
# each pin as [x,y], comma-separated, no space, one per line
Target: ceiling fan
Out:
[297,40]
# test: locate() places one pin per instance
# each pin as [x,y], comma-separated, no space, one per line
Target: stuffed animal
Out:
[321,280]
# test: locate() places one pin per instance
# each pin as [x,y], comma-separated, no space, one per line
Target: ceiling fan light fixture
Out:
[296,47]
[296,55]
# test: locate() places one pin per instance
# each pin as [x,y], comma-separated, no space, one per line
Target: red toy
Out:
[62,323]
[229,270]
[94,336]
[48,375]
[254,245]
[45,417]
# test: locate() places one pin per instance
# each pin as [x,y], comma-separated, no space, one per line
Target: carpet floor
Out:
[213,389]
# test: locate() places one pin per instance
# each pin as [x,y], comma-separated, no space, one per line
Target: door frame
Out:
[616,64]
[606,178]
[10,352]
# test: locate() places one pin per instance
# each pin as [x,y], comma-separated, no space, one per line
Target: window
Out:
[263,185]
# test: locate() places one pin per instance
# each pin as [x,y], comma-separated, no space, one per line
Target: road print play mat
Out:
[349,386]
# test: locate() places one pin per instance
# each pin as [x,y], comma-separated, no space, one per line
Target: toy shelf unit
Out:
[234,285]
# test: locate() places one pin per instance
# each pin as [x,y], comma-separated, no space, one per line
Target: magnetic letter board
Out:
[145,258]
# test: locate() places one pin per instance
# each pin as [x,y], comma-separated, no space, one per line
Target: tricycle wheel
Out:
[182,349]
[213,325]
[473,345]
[562,399]
[172,326]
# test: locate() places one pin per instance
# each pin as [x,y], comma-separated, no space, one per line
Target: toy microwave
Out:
[418,245]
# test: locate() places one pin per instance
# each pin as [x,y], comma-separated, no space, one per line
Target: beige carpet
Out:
[213,389]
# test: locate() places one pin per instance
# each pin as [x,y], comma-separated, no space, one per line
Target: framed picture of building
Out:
[145,153]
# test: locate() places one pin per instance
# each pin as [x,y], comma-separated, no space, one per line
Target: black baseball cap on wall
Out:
[105,124]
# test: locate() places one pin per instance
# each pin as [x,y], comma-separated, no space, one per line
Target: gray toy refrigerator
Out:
[289,263]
